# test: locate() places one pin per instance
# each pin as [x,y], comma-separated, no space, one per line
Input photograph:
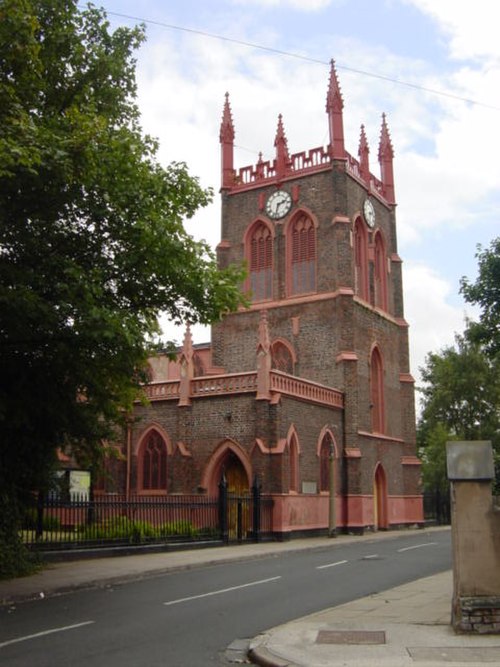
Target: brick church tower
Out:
[318,366]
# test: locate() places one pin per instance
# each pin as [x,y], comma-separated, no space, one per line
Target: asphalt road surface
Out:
[188,618]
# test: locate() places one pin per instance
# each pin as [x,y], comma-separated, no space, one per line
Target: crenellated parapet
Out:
[287,166]
[268,171]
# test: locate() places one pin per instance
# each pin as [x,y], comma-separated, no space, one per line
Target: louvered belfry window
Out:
[154,463]
[261,263]
[303,256]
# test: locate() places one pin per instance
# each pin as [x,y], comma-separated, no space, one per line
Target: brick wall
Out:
[319,327]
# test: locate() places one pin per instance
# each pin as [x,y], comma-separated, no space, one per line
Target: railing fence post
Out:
[90,507]
[39,515]
[256,503]
[223,527]
[239,520]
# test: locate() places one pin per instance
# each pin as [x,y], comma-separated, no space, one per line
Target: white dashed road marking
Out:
[45,632]
[223,590]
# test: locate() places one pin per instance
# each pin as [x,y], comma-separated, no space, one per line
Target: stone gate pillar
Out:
[475,524]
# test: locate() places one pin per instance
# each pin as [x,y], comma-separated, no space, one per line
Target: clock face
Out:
[278,204]
[369,212]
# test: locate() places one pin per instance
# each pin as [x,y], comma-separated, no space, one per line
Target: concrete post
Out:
[475,538]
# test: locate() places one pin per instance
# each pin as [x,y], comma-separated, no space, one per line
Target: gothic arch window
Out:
[360,260]
[260,260]
[199,368]
[380,273]
[294,465]
[377,391]
[153,468]
[302,255]
[282,357]
[324,462]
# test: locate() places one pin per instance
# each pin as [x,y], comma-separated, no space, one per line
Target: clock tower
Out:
[317,232]
[306,395]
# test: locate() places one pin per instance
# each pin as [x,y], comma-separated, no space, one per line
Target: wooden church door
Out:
[236,476]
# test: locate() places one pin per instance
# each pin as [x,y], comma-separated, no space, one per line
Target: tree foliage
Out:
[92,243]
[461,392]
[460,401]
[433,455]
[485,292]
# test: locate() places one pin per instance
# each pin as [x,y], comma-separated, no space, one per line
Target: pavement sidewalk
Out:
[407,625]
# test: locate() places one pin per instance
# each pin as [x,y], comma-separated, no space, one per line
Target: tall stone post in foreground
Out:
[475,526]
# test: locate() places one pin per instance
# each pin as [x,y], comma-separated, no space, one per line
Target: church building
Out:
[308,390]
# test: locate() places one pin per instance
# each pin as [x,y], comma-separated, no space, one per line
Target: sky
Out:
[433,66]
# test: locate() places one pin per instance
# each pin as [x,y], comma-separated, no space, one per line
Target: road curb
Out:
[33,589]
[259,655]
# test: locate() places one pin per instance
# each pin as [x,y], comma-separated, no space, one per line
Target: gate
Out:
[244,517]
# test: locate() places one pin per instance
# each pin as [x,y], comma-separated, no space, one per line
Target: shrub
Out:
[118,528]
[178,528]
[15,560]
[49,522]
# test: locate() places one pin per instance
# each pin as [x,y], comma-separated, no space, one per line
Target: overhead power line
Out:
[298,56]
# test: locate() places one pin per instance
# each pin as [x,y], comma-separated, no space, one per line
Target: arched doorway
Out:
[379,499]
[236,475]
[230,464]
[229,460]
[238,496]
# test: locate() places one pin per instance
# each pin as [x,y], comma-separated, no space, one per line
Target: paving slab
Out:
[409,627]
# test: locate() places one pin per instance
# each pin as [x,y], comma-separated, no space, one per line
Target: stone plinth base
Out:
[477,615]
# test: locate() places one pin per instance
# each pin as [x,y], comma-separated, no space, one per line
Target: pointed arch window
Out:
[303,255]
[282,358]
[377,391]
[380,273]
[360,260]
[154,463]
[199,368]
[324,462]
[294,465]
[261,262]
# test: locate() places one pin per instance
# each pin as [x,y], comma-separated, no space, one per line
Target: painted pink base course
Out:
[310,512]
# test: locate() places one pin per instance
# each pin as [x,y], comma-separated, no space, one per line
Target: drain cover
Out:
[350,637]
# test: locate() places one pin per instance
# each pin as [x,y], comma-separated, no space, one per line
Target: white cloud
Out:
[446,164]
[433,320]
[301,5]
[471,27]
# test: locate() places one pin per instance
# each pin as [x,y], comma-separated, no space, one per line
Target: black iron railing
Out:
[110,520]
[437,507]
[77,521]
[245,516]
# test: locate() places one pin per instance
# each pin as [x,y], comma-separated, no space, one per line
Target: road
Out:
[187,618]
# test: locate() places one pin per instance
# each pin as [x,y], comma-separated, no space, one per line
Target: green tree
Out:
[460,401]
[433,455]
[485,292]
[92,243]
